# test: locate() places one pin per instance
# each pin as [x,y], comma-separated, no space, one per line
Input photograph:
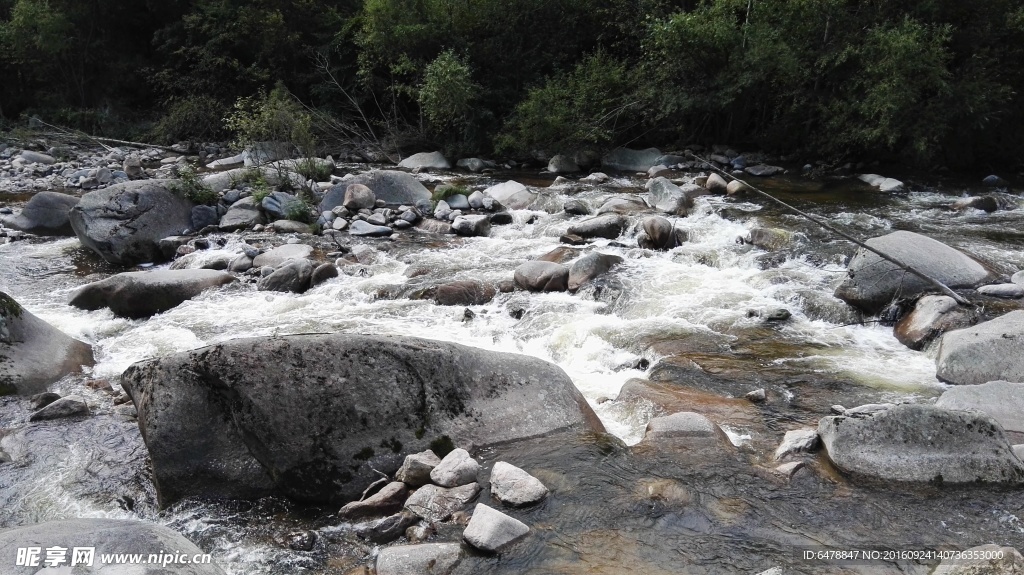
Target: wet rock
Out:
[41,400]
[278,205]
[491,530]
[125,222]
[143,294]
[884,184]
[387,529]
[716,184]
[660,234]
[763,171]
[770,238]
[416,468]
[542,276]
[107,537]
[475,165]
[607,226]
[301,540]
[203,216]
[1000,400]
[242,215]
[501,218]
[361,228]
[512,195]
[562,165]
[69,406]
[386,501]
[476,200]
[322,273]
[292,276]
[426,161]
[932,316]
[988,351]
[1005,291]
[669,198]
[456,469]
[756,396]
[572,240]
[434,227]
[45,214]
[282,254]
[984,203]
[359,197]
[921,443]
[576,208]
[738,188]
[472,226]
[423,559]
[292,227]
[595,178]
[219,423]
[435,503]
[623,205]
[393,187]
[627,160]
[993,181]
[797,441]
[872,282]
[458,202]
[686,428]
[589,267]
[983,560]
[513,486]
[560,255]
[464,292]
[34,354]
[419,533]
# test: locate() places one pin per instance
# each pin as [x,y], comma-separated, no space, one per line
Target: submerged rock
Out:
[464,292]
[125,222]
[46,214]
[107,537]
[423,559]
[143,294]
[34,354]
[920,443]
[542,276]
[589,267]
[219,423]
[660,234]
[988,351]
[872,283]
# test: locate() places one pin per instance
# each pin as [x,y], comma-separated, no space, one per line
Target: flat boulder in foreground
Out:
[921,443]
[105,537]
[312,416]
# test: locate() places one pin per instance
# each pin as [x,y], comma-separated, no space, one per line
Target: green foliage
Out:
[273,117]
[192,118]
[191,185]
[446,191]
[298,210]
[314,169]
[447,94]
[589,106]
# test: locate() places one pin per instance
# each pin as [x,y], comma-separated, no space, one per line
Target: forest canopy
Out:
[928,82]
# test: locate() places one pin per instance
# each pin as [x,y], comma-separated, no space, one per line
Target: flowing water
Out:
[689,321]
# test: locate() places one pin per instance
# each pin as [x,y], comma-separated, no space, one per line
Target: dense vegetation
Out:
[931,81]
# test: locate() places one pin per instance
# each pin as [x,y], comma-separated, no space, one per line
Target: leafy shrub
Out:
[312,169]
[192,118]
[447,94]
[192,187]
[298,210]
[273,117]
[589,106]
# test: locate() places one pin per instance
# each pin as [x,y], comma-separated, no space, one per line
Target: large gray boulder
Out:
[292,276]
[395,188]
[426,161]
[627,160]
[988,351]
[921,443]
[542,276]
[107,537]
[281,254]
[491,530]
[423,559]
[312,416]
[512,195]
[659,233]
[669,198]
[1000,400]
[607,226]
[143,294]
[872,283]
[46,214]
[34,354]
[589,267]
[125,222]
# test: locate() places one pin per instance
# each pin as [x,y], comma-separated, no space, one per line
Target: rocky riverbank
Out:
[659,303]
